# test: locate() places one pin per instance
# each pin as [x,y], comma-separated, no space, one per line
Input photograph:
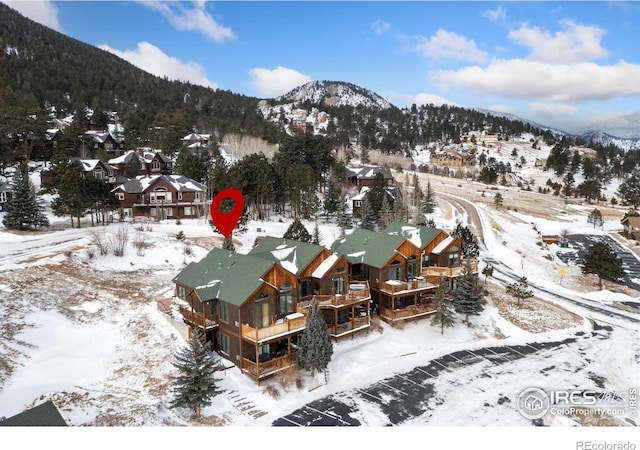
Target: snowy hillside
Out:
[335,93]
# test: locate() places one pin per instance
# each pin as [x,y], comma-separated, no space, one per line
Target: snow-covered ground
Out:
[85,331]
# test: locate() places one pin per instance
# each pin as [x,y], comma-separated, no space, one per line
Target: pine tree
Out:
[386,212]
[195,386]
[315,344]
[444,308]
[429,204]
[487,271]
[520,289]
[297,232]
[317,236]
[470,248]
[595,217]
[497,199]
[467,298]
[601,260]
[368,217]
[23,212]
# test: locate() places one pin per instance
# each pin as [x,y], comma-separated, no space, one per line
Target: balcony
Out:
[448,272]
[204,321]
[396,287]
[412,312]
[358,292]
[295,323]
[265,369]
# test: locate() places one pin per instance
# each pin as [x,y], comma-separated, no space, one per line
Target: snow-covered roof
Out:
[180,183]
[443,245]
[322,269]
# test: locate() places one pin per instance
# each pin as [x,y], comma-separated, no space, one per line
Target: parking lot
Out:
[580,243]
[406,396]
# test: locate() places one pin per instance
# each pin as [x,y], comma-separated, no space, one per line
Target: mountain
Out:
[335,94]
[626,126]
[606,139]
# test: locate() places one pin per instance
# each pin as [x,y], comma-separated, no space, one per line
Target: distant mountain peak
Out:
[335,93]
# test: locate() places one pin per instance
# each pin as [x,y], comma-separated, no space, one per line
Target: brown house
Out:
[325,276]
[364,176]
[391,266]
[151,162]
[246,306]
[109,141]
[631,227]
[161,197]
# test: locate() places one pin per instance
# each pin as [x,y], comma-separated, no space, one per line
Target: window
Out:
[286,303]
[127,212]
[120,196]
[3,197]
[395,270]
[338,284]
[224,344]
[197,195]
[179,195]
[155,165]
[454,260]
[411,270]
[160,195]
[180,292]
[222,308]
[357,203]
[365,273]
[261,315]
[187,211]
[98,174]
[425,260]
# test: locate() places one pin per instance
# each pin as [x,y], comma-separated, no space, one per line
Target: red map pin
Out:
[225,222]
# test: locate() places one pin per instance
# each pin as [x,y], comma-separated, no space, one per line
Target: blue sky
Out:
[564,64]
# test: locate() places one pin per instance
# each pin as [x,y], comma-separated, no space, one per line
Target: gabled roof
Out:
[89,165]
[368,247]
[419,236]
[633,221]
[291,255]
[224,275]
[43,415]
[141,183]
[442,246]
[368,172]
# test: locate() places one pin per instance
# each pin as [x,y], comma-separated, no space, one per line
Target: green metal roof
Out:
[224,275]
[368,247]
[43,415]
[419,236]
[291,255]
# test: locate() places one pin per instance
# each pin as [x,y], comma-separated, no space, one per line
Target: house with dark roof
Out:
[364,176]
[161,197]
[247,308]
[151,162]
[390,263]
[44,415]
[97,169]
[324,275]
[109,141]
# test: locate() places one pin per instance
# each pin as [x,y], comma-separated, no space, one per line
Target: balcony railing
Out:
[204,321]
[449,272]
[408,313]
[355,324]
[277,329]
[357,292]
[267,368]
[395,287]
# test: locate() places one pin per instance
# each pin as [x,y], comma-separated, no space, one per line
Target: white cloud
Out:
[508,109]
[379,27]
[151,59]
[426,99]
[194,19]
[448,45]
[43,12]
[575,43]
[553,110]
[494,15]
[520,78]
[278,81]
